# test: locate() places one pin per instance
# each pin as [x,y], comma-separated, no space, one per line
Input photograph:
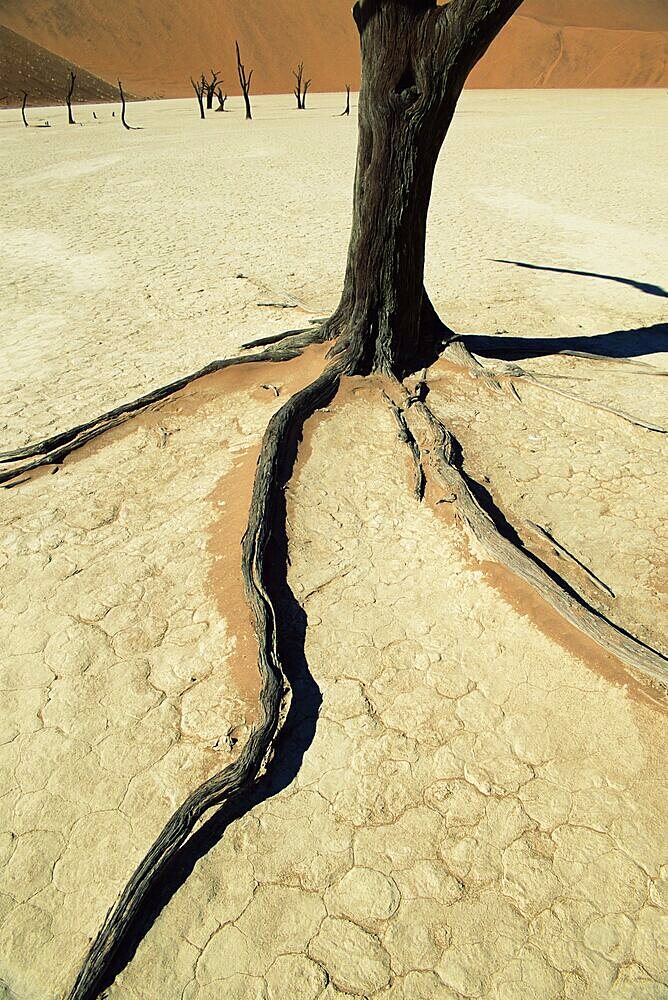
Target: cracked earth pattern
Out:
[116,687]
[594,481]
[479,814]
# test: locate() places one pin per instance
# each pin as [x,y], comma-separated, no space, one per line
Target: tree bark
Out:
[70,93]
[210,87]
[415,59]
[245,81]
[199,89]
[123,103]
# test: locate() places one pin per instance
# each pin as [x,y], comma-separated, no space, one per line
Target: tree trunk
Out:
[245,81]
[415,59]
[70,94]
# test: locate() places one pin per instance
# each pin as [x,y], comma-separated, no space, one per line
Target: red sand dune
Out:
[155,45]
[45,76]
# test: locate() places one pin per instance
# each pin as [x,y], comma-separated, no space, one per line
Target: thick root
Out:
[54,450]
[442,451]
[292,339]
[458,353]
[236,787]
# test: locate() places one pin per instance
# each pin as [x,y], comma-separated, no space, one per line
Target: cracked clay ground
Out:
[473,800]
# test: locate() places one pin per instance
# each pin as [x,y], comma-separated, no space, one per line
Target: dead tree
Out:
[23,108]
[245,81]
[130,128]
[346,110]
[416,56]
[221,99]
[301,87]
[70,93]
[199,87]
[210,88]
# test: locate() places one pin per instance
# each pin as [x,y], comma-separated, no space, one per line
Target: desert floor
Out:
[473,801]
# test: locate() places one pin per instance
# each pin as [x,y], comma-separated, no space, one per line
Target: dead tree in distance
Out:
[199,87]
[346,110]
[23,108]
[221,99]
[245,81]
[130,128]
[210,87]
[301,88]
[70,93]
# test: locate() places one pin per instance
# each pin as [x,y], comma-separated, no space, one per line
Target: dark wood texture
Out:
[245,81]
[70,94]
[415,59]
[199,87]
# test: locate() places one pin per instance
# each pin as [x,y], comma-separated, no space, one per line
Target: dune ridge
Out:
[25,65]
[156,46]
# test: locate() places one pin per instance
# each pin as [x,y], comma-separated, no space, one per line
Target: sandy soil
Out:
[106,294]
[479,811]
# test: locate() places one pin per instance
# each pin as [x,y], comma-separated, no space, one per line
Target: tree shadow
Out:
[641,286]
[618,344]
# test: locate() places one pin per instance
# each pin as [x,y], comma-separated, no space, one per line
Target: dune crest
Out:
[156,46]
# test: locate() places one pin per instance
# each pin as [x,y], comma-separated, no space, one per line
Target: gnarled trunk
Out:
[415,59]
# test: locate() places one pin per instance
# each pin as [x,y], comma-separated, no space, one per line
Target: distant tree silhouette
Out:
[245,81]
[199,87]
[301,89]
[130,128]
[210,87]
[23,108]
[70,93]
[221,99]
[346,111]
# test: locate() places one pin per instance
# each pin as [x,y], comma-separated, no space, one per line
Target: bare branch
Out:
[245,81]
[70,92]
[199,87]
[476,23]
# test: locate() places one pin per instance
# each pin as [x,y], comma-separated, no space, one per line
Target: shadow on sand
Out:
[641,286]
[618,344]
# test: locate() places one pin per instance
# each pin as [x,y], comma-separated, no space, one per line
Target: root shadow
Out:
[294,740]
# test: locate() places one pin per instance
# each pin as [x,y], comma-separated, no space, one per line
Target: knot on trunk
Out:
[406,91]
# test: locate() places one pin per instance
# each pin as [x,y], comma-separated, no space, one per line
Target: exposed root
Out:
[293,339]
[458,353]
[53,450]
[516,372]
[442,452]
[236,783]
[406,436]
[563,552]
